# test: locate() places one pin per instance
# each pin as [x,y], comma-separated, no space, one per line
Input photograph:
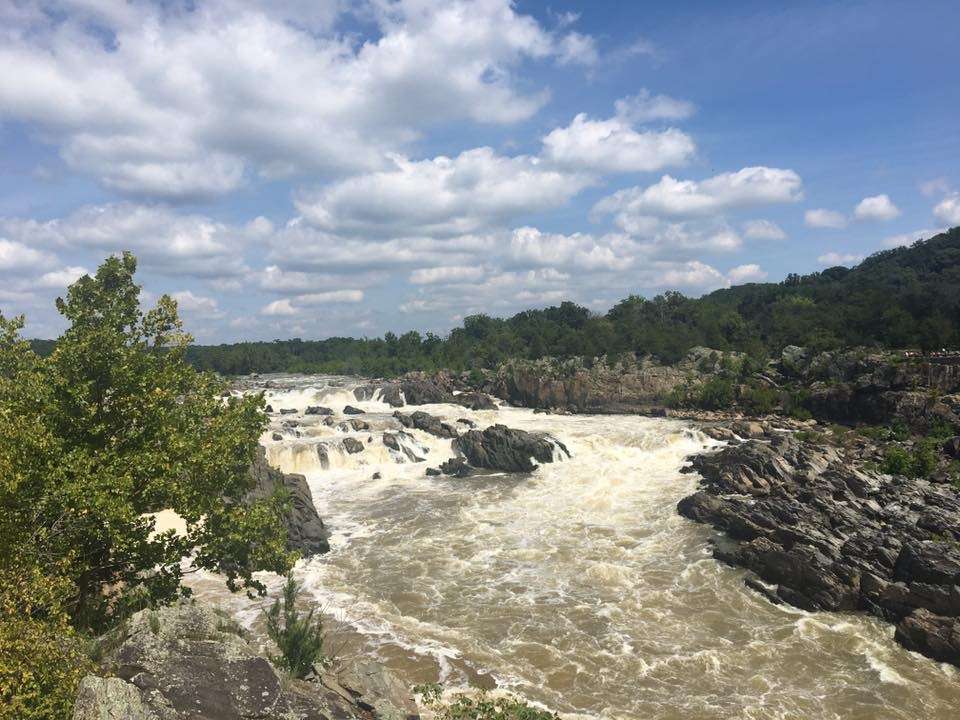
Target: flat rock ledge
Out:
[190,662]
[823,534]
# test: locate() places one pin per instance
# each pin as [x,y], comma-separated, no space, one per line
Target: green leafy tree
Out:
[111,428]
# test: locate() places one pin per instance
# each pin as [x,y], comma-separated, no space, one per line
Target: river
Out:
[577,586]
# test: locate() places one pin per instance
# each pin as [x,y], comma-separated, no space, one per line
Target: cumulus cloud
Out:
[693,274]
[165,241]
[746,273]
[751,186]
[442,196]
[836,258]
[763,230]
[183,101]
[200,305]
[530,246]
[446,274]
[61,279]
[822,218]
[615,146]
[645,107]
[19,256]
[876,207]
[948,210]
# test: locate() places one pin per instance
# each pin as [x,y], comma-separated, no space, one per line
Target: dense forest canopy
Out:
[906,297]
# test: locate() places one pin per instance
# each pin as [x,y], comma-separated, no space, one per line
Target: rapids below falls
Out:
[577,587]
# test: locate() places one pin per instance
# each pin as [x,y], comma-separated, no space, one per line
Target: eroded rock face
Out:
[190,663]
[598,388]
[305,529]
[832,537]
[501,448]
[420,420]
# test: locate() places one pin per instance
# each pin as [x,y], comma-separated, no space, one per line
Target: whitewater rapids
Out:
[578,587]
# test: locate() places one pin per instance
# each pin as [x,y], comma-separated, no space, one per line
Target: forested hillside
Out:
[902,298]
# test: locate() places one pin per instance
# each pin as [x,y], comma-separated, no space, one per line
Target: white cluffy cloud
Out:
[443,196]
[169,242]
[823,218]
[746,273]
[186,100]
[763,230]
[904,239]
[948,210]
[636,210]
[876,207]
[616,146]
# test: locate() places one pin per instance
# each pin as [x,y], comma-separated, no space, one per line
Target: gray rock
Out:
[351,410]
[318,410]
[109,699]
[352,445]
[420,420]
[501,448]
[305,529]
[188,662]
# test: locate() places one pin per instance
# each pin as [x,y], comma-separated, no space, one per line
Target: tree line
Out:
[905,297]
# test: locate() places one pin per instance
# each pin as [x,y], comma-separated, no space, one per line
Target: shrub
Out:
[896,461]
[298,636]
[479,706]
[42,659]
[759,399]
[919,463]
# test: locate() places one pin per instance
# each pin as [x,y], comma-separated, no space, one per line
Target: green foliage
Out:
[299,636]
[111,427]
[759,399]
[900,298]
[479,706]
[42,658]
[921,462]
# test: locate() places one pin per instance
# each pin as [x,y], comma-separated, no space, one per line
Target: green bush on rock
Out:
[299,636]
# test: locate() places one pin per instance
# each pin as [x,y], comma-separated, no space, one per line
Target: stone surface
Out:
[305,529]
[189,662]
[420,420]
[826,535]
[501,448]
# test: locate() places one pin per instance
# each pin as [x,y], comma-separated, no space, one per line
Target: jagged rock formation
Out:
[626,386]
[305,529]
[829,536]
[501,448]
[189,662]
[420,420]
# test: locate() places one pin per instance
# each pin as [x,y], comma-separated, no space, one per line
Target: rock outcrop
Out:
[501,448]
[305,529]
[830,536]
[189,662]
[627,386]
[420,420]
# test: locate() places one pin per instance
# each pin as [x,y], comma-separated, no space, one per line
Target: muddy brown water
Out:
[578,586]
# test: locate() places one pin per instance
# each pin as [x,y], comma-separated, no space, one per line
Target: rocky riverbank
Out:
[820,528]
[191,661]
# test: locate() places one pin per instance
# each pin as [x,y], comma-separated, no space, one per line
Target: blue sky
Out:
[315,167]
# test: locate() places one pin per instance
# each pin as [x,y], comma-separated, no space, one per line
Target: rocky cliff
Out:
[821,530]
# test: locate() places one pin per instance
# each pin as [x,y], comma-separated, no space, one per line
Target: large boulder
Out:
[305,529]
[420,420]
[190,662]
[502,448]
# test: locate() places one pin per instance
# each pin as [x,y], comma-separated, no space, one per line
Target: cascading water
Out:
[578,586]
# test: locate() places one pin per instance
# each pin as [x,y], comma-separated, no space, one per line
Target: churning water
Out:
[578,586]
